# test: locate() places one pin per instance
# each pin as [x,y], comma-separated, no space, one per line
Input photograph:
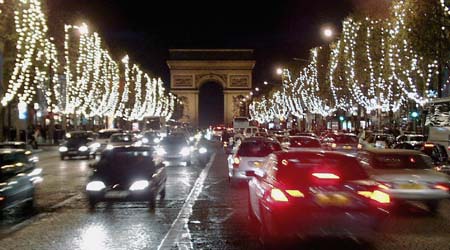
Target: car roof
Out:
[109,130]
[394,151]
[303,137]
[298,151]
[12,143]
[12,150]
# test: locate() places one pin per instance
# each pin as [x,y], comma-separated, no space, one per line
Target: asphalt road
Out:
[201,211]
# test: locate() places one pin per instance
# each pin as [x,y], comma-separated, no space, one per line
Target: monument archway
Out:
[190,69]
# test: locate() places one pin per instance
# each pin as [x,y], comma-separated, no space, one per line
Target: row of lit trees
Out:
[86,80]
[376,65]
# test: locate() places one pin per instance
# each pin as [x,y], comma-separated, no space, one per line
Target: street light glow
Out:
[279,71]
[328,32]
[83,29]
[265,83]
[256,89]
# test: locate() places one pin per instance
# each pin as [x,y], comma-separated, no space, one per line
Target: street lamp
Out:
[83,29]
[257,89]
[279,71]
[265,83]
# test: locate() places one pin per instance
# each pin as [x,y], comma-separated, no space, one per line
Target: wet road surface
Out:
[201,211]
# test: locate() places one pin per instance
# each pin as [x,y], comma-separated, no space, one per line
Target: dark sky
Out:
[277,30]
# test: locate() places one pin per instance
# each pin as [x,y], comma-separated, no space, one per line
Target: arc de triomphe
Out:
[191,68]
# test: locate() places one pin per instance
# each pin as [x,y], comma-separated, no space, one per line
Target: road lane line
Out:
[179,228]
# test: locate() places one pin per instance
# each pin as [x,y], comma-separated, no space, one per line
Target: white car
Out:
[407,175]
[250,155]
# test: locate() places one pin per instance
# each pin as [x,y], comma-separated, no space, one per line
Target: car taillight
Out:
[442,186]
[326,176]
[278,195]
[376,194]
[236,161]
[333,145]
[428,145]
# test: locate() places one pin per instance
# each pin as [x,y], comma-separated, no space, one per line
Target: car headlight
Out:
[191,138]
[95,186]
[185,151]
[156,140]
[139,185]
[144,140]
[36,171]
[83,149]
[161,151]
[202,150]
[95,145]
[109,147]
[63,149]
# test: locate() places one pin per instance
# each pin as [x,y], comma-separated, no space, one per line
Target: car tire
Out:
[433,207]
[62,157]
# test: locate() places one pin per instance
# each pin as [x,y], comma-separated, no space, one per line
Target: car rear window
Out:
[304,142]
[401,161]
[254,149]
[298,169]
[344,138]
[416,138]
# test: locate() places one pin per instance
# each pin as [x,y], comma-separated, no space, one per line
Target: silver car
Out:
[250,156]
[407,175]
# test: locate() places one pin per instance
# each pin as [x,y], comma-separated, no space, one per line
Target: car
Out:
[120,139]
[344,142]
[305,134]
[411,139]
[217,131]
[127,173]
[174,150]
[314,193]
[249,155]
[16,145]
[78,144]
[19,175]
[437,152]
[380,140]
[304,142]
[150,138]
[409,175]
[104,135]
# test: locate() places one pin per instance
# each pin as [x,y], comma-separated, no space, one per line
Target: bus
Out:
[437,122]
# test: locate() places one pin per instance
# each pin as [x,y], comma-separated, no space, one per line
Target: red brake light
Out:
[377,194]
[326,176]
[442,186]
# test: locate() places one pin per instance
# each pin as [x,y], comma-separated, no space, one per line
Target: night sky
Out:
[277,30]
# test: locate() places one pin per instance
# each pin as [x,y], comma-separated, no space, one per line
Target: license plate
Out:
[347,147]
[411,186]
[256,164]
[332,199]
[116,194]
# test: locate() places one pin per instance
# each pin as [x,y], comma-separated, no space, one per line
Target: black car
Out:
[16,145]
[127,173]
[18,176]
[175,150]
[78,144]
[437,152]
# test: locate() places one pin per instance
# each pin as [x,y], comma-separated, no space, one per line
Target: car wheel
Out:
[62,157]
[152,202]
[433,206]
[162,194]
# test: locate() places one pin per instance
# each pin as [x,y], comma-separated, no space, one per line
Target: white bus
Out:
[438,122]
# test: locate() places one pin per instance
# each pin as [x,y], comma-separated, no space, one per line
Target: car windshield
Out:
[12,159]
[106,134]
[416,138]
[121,138]
[344,138]
[254,149]
[402,161]
[126,162]
[299,167]
[304,142]
[173,140]
[13,145]
[79,140]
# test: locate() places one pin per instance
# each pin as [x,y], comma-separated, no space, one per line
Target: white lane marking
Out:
[178,234]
